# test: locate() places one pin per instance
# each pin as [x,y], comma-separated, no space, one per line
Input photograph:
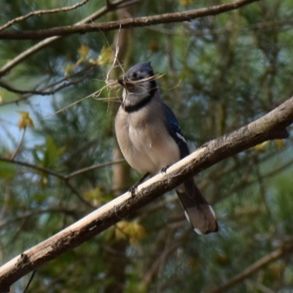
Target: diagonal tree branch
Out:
[281,251]
[125,23]
[41,12]
[270,126]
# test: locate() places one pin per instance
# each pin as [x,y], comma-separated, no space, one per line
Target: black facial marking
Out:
[136,73]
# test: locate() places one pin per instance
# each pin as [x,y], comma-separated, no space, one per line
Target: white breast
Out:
[144,141]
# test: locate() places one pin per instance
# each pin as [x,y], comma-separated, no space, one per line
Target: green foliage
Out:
[219,73]
[7,171]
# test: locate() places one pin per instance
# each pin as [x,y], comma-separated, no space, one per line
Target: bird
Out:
[150,139]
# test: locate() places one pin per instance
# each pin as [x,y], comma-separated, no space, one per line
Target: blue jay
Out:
[150,139]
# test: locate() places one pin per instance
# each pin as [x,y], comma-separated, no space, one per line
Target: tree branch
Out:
[33,213]
[47,90]
[44,43]
[40,92]
[93,167]
[64,178]
[284,249]
[51,172]
[269,126]
[125,23]
[41,12]
[40,169]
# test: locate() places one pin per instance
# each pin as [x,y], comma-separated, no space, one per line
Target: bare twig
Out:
[41,92]
[19,144]
[64,178]
[46,90]
[57,174]
[115,59]
[32,50]
[79,196]
[29,282]
[126,23]
[93,167]
[284,249]
[161,257]
[247,183]
[95,95]
[34,167]
[269,126]
[33,213]
[41,12]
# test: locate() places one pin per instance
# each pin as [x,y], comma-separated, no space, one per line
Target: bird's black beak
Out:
[126,84]
[121,81]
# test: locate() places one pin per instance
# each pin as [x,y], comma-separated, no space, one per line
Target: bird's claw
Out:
[134,186]
[132,190]
[164,169]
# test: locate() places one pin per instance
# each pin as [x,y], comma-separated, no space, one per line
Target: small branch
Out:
[19,144]
[93,167]
[34,167]
[49,89]
[57,174]
[125,23]
[60,176]
[41,12]
[99,220]
[284,249]
[29,282]
[37,47]
[79,196]
[33,213]
[41,92]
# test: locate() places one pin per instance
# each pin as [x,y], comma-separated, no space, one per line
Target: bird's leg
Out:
[133,187]
[164,169]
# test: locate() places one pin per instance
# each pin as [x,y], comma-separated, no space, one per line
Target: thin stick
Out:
[18,145]
[93,167]
[284,249]
[41,12]
[29,282]
[115,58]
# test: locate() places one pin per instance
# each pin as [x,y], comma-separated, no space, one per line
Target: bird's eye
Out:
[134,75]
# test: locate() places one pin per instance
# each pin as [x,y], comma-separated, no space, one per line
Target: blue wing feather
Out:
[174,130]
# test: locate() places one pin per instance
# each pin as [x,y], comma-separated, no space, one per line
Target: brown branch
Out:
[284,249]
[41,12]
[51,172]
[19,144]
[37,47]
[267,127]
[33,213]
[93,167]
[64,178]
[34,167]
[47,90]
[125,23]
[245,183]
[41,92]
